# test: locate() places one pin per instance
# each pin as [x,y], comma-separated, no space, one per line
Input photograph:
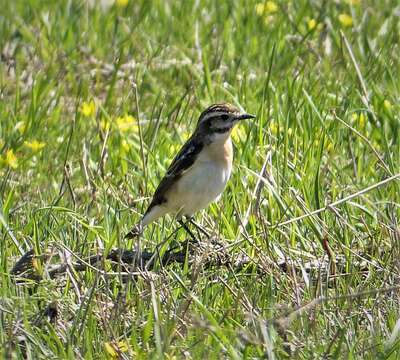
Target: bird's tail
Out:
[135,231]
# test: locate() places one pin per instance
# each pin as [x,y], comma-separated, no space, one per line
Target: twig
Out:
[103,154]
[10,233]
[365,99]
[141,141]
[286,320]
[338,202]
[365,140]
[256,193]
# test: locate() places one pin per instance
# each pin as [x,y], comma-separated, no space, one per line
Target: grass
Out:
[76,175]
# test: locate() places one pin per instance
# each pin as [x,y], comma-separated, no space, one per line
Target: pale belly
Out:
[198,187]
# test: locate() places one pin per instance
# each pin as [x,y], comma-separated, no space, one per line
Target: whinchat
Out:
[200,171]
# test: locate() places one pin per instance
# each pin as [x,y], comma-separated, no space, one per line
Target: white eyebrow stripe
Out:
[213,114]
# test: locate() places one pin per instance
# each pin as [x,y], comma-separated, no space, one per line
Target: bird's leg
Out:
[186,228]
[198,227]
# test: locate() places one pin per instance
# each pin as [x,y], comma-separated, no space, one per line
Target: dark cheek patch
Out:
[222,130]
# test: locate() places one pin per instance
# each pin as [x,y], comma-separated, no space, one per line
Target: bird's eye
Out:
[225,117]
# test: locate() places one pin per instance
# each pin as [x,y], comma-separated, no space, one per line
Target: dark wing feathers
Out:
[182,161]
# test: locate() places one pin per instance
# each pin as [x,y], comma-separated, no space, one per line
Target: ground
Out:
[95,99]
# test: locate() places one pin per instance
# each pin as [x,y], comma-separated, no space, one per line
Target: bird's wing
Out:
[182,162]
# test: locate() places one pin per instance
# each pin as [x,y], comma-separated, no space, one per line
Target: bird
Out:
[199,173]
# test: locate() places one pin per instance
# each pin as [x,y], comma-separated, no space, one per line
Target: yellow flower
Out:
[88,108]
[185,135]
[127,123]
[329,146]
[104,124]
[311,24]
[360,118]
[20,126]
[174,148]
[387,104]
[274,128]
[346,20]
[35,145]
[269,7]
[260,9]
[125,145]
[114,349]
[121,3]
[10,159]
[172,151]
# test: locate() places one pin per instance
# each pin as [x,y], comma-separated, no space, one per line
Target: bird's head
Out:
[219,119]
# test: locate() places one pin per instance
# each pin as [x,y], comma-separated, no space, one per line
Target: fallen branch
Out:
[208,254]
[137,260]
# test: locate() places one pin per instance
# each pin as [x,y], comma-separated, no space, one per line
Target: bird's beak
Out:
[244,117]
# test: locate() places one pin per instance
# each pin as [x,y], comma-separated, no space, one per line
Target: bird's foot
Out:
[135,232]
